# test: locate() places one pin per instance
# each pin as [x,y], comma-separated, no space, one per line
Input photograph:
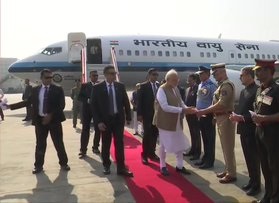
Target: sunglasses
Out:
[111,73]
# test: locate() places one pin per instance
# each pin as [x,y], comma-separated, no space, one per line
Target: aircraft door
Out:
[94,51]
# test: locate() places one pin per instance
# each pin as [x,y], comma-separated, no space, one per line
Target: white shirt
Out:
[113,93]
[162,99]
[41,99]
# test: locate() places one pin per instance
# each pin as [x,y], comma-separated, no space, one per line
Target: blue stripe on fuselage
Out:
[122,66]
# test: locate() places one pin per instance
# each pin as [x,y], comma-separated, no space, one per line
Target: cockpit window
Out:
[51,50]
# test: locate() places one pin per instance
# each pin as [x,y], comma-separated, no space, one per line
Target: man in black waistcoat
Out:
[246,128]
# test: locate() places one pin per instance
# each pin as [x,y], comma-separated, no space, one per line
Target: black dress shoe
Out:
[188,154]
[144,160]
[182,170]
[65,168]
[106,170]
[164,171]
[82,155]
[194,158]
[125,172]
[253,191]
[154,158]
[205,166]
[246,187]
[96,151]
[37,170]
[199,163]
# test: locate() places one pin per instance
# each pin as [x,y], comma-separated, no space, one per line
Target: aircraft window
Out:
[246,56]
[188,54]
[167,53]
[144,53]
[202,54]
[258,56]
[51,50]
[174,53]
[232,55]
[239,56]
[252,56]
[137,53]
[160,53]
[121,52]
[268,56]
[129,52]
[152,53]
[208,55]
[215,55]
[273,56]
[263,56]
[181,54]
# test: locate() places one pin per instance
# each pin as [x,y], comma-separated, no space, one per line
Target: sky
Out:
[27,26]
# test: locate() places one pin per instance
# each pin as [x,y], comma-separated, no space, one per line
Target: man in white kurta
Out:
[170,108]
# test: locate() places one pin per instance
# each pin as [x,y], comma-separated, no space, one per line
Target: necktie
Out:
[45,100]
[111,105]
[154,88]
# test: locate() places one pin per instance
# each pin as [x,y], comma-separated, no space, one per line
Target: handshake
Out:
[189,110]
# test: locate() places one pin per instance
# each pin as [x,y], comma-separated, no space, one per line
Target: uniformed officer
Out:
[222,107]
[266,118]
[76,103]
[205,94]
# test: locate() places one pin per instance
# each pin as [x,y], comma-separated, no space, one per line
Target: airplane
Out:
[136,54]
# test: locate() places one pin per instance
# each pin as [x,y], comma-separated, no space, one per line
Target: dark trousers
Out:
[56,134]
[85,132]
[1,113]
[251,155]
[208,134]
[115,128]
[268,142]
[150,135]
[193,124]
[28,112]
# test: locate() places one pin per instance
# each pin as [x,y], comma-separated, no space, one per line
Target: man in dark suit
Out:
[192,120]
[84,97]
[48,102]
[26,94]
[110,108]
[247,130]
[145,111]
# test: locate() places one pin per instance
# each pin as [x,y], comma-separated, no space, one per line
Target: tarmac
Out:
[85,181]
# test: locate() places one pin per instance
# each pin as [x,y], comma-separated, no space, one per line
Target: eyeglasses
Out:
[48,77]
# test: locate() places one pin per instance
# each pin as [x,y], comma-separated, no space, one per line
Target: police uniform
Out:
[205,94]
[267,134]
[76,104]
[225,95]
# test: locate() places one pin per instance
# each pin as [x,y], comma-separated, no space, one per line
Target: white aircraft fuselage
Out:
[136,54]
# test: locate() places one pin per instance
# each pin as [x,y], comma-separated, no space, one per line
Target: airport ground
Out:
[85,181]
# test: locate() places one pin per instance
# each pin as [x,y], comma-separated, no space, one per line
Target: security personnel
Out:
[222,107]
[205,94]
[266,118]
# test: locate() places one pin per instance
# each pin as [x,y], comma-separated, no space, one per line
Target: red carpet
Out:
[148,185]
